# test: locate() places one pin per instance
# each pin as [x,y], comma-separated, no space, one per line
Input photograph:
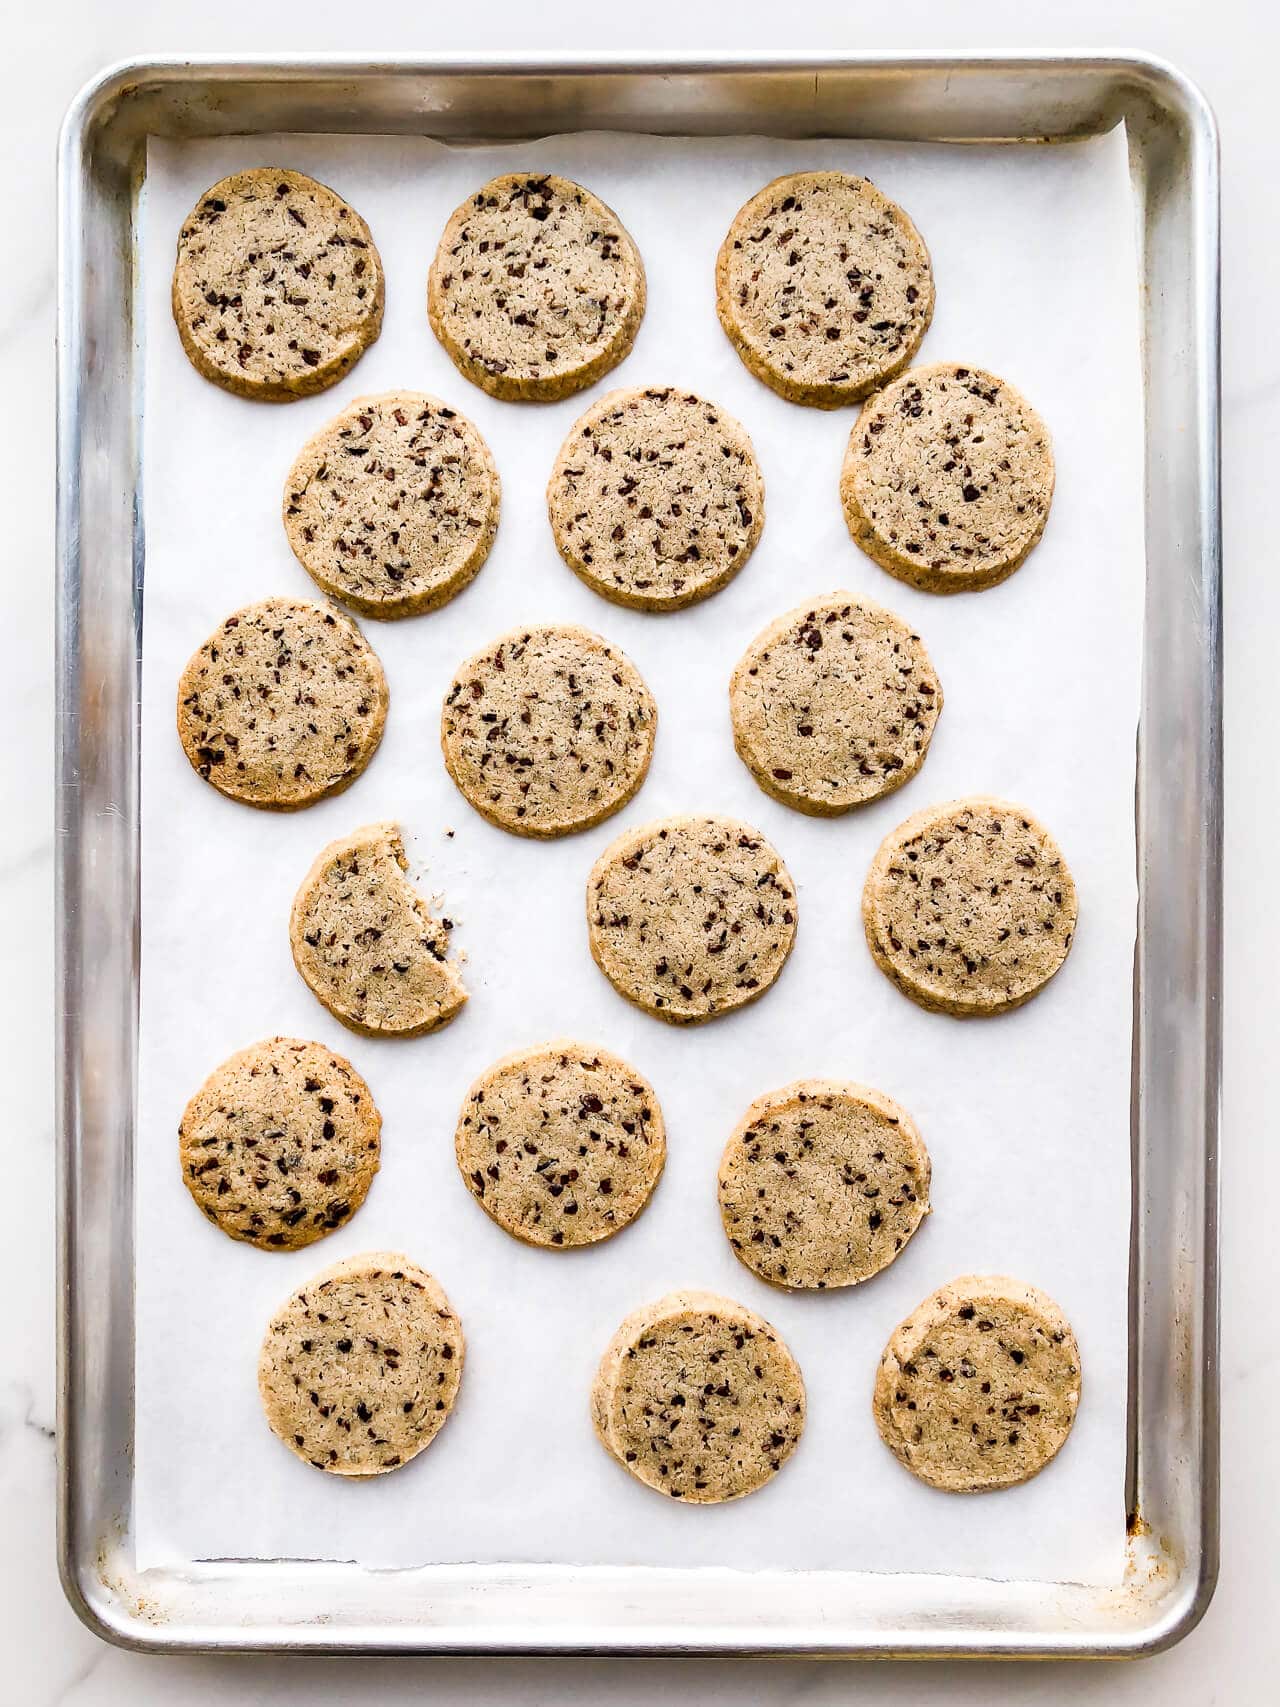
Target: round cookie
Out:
[824,287]
[656,499]
[361,1366]
[367,945]
[393,506]
[691,917]
[562,1145]
[947,478]
[979,1387]
[536,289]
[548,730]
[278,288]
[698,1398]
[969,907]
[284,704]
[280,1144]
[834,704]
[822,1184]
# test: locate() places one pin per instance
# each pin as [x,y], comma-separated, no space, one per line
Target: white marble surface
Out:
[52,48]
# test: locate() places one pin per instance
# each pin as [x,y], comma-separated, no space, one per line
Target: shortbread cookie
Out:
[699,1398]
[656,499]
[360,1368]
[562,1144]
[948,478]
[393,506]
[822,1184]
[548,730]
[824,287]
[834,704]
[691,917]
[283,704]
[978,1388]
[969,907]
[366,943]
[280,1144]
[278,288]
[536,289]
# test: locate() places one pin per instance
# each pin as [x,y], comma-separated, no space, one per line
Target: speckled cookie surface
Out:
[562,1145]
[278,287]
[824,287]
[367,944]
[656,499]
[360,1368]
[698,1398]
[948,478]
[536,289]
[979,1387]
[691,917]
[280,1144]
[834,704]
[548,730]
[822,1184]
[392,506]
[284,704]
[969,907]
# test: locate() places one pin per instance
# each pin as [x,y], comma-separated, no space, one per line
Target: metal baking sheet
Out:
[603,1608]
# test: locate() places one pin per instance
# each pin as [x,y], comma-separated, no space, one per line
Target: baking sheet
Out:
[1026,1117]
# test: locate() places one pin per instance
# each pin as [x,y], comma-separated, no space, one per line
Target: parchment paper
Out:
[1026,1116]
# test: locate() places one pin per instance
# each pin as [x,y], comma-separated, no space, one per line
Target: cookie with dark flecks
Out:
[947,478]
[548,730]
[561,1145]
[656,499]
[699,1398]
[278,288]
[691,917]
[366,943]
[284,704]
[360,1368]
[824,287]
[834,705]
[969,907]
[536,289]
[280,1144]
[979,1387]
[822,1184]
[393,505]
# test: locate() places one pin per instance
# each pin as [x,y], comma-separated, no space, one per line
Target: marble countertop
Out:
[50,1659]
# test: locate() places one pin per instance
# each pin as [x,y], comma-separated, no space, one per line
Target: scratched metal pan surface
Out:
[1173,1298]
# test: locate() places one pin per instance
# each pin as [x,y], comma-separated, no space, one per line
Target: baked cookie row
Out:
[696,1396]
[550,729]
[823,285]
[656,499]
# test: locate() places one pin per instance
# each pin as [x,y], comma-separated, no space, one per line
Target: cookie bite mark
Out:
[277,288]
[536,289]
[368,946]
